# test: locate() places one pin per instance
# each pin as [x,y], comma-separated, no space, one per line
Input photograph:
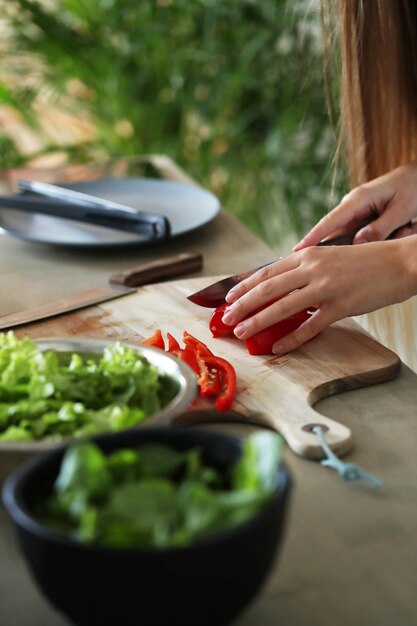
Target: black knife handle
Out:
[150,225]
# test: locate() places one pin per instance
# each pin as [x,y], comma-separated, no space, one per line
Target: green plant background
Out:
[232,90]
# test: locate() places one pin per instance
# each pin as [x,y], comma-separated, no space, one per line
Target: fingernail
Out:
[278,348]
[240,330]
[361,238]
[227,317]
[230,297]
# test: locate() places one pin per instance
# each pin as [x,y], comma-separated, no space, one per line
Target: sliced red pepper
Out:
[185,354]
[228,381]
[217,326]
[216,376]
[188,356]
[172,343]
[156,340]
[195,344]
[209,379]
[262,342]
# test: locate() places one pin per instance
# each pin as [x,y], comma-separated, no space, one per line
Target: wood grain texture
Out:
[274,391]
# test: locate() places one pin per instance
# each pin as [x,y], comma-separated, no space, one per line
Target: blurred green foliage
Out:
[232,90]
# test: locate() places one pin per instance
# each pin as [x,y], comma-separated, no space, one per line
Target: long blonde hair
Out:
[377,46]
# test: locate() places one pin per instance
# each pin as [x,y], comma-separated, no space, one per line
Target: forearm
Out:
[406,258]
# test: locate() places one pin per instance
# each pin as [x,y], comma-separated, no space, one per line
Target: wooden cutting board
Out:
[274,391]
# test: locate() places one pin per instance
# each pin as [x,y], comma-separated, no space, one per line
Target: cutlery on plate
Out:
[120,284]
[69,204]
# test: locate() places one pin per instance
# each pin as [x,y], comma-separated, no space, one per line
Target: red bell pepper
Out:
[156,340]
[228,380]
[172,343]
[209,378]
[216,376]
[217,326]
[185,354]
[262,342]
[189,357]
[195,344]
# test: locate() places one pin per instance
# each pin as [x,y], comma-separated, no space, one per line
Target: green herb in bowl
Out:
[152,526]
[155,496]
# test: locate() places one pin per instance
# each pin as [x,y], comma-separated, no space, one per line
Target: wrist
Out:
[406,253]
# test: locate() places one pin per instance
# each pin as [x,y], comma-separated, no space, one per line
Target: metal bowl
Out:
[12,453]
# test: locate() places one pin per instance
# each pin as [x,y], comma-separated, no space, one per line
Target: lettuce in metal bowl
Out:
[55,389]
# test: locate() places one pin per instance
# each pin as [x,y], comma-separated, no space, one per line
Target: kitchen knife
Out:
[119,285]
[214,295]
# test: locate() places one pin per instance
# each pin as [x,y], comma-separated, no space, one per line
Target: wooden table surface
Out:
[348,554]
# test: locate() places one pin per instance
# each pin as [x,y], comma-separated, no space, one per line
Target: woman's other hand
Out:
[390,201]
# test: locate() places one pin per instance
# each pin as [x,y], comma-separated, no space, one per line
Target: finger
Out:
[405,231]
[277,311]
[362,203]
[325,227]
[340,216]
[269,292]
[395,216]
[262,275]
[308,330]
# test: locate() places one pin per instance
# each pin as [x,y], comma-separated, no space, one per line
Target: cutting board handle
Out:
[296,430]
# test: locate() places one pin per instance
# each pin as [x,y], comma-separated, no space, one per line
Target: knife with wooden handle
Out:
[214,295]
[120,284]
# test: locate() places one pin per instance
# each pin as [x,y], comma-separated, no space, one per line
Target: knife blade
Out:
[120,284]
[214,295]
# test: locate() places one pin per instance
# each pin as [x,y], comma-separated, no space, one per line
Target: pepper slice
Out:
[209,378]
[195,344]
[172,343]
[185,354]
[156,340]
[228,380]
[216,376]
[189,357]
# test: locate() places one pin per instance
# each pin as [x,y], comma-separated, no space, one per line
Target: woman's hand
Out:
[390,201]
[338,281]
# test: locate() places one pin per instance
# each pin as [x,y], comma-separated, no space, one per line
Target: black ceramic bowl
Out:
[206,584]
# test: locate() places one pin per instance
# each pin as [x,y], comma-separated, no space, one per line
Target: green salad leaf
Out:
[52,395]
[156,496]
